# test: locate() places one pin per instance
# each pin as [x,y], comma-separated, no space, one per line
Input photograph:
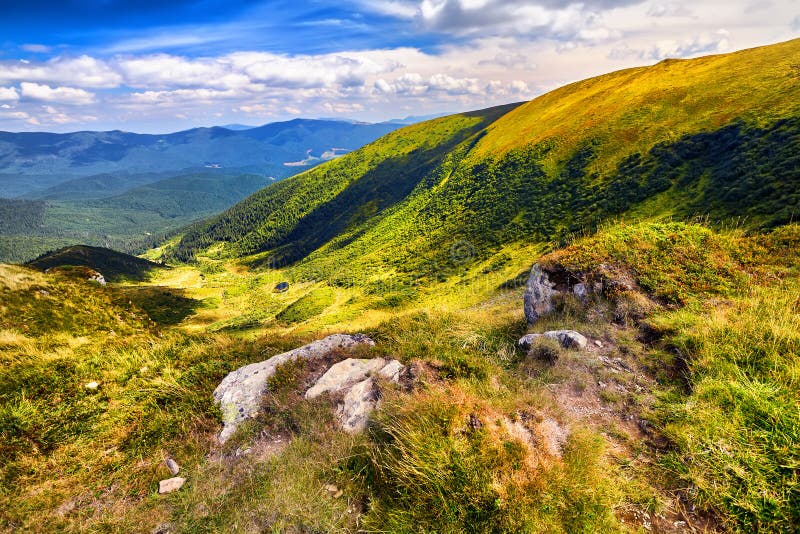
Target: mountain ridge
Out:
[526,176]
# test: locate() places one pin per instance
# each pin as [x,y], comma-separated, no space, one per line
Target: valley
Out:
[130,191]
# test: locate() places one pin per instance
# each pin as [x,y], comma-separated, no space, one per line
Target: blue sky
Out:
[170,64]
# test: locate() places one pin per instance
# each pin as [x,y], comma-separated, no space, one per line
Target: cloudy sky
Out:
[164,65]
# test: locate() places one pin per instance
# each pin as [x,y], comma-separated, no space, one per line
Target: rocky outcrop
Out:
[357,404]
[344,375]
[239,394]
[356,379]
[538,298]
[569,339]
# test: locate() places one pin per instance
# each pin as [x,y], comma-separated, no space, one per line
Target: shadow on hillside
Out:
[165,306]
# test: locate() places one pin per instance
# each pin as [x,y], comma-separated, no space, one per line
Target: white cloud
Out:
[706,43]
[528,19]
[670,9]
[64,95]
[19,116]
[9,93]
[36,48]
[84,71]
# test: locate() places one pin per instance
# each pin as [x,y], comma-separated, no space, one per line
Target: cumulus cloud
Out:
[8,93]
[523,18]
[84,70]
[327,70]
[415,85]
[705,43]
[671,9]
[64,95]
[15,116]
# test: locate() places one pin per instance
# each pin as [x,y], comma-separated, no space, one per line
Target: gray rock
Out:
[173,466]
[569,339]
[239,394]
[392,371]
[344,374]
[581,291]
[538,295]
[171,484]
[99,278]
[357,404]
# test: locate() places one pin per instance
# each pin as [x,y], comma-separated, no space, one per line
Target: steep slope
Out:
[352,190]
[716,136]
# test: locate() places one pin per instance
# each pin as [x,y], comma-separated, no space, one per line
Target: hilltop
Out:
[113,265]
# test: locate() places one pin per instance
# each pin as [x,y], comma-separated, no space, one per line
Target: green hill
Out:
[717,137]
[111,264]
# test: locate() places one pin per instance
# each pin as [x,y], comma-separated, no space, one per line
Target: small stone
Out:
[92,386]
[598,342]
[173,466]
[569,339]
[171,484]
[679,524]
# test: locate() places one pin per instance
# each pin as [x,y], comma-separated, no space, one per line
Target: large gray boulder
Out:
[239,394]
[538,298]
[569,339]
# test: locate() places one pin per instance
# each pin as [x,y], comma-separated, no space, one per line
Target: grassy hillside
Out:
[683,414]
[713,137]
[111,264]
[349,191]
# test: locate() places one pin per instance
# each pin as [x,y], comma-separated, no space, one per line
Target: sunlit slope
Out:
[717,137]
[350,189]
[631,110]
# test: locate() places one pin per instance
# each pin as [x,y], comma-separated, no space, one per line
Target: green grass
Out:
[737,433]
[732,413]
[307,306]
[429,470]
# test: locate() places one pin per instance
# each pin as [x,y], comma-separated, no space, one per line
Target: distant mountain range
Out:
[33,162]
[128,190]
